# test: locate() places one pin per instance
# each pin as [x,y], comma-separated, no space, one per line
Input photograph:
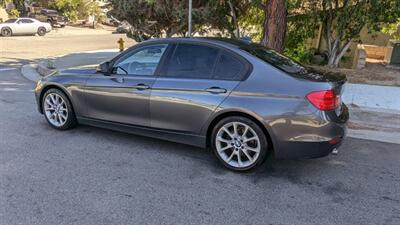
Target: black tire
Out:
[71,121]
[51,23]
[6,32]
[41,31]
[263,142]
[62,26]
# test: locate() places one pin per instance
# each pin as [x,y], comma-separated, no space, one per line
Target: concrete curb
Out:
[387,137]
[372,96]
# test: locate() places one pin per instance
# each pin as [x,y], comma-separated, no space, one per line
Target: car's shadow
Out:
[291,170]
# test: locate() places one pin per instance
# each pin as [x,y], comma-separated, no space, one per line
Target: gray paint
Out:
[183,110]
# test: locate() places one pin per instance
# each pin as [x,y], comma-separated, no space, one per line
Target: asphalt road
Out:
[16,49]
[95,176]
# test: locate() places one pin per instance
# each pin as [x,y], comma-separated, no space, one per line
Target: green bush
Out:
[14,13]
[300,53]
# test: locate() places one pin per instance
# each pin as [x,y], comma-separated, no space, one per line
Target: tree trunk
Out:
[235,22]
[341,54]
[274,25]
[336,52]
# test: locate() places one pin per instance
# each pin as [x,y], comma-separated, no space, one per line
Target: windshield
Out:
[11,21]
[275,59]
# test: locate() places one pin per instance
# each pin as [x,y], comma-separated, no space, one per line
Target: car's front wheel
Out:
[239,143]
[41,31]
[6,32]
[58,110]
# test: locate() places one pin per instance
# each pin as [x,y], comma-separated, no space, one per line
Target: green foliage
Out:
[73,9]
[299,31]
[69,8]
[251,23]
[300,53]
[392,29]
[342,20]
[14,13]
[156,18]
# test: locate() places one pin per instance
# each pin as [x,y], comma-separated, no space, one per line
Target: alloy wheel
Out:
[238,144]
[55,109]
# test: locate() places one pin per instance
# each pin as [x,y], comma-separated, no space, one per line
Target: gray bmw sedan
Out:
[239,98]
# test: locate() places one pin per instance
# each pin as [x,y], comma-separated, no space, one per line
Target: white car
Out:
[27,26]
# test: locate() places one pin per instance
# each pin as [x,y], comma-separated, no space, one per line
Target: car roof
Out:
[25,18]
[229,42]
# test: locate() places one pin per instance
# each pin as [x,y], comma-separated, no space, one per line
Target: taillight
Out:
[324,100]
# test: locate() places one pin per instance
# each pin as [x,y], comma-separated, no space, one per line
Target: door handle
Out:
[216,90]
[141,87]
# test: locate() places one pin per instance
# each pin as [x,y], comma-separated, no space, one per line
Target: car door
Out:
[124,95]
[192,83]
[25,26]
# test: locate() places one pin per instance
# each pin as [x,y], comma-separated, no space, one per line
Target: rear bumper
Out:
[308,149]
[316,140]
[60,23]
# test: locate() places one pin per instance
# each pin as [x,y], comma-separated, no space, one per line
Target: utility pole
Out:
[190,19]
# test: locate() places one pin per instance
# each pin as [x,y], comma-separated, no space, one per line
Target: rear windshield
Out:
[275,59]
[11,21]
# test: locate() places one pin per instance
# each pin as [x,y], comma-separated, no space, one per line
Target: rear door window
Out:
[229,67]
[191,61]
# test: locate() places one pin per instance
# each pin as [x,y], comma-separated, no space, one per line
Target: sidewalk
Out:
[374,109]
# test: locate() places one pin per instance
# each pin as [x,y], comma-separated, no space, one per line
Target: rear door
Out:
[124,95]
[193,81]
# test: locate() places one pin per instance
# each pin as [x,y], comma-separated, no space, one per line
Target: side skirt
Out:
[179,137]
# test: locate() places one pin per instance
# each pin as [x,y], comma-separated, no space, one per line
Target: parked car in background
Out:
[50,16]
[124,27]
[241,99]
[24,26]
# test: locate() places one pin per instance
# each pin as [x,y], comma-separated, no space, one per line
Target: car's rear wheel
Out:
[239,143]
[58,110]
[6,32]
[41,31]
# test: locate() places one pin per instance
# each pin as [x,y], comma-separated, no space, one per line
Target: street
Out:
[94,176]
[58,42]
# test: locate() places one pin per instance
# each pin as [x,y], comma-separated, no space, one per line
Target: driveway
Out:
[95,176]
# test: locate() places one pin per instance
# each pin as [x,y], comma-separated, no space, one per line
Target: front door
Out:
[192,83]
[25,26]
[124,95]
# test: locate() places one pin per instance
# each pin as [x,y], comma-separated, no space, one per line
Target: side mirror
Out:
[103,68]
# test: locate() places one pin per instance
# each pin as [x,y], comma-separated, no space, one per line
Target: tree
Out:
[392,29]
[274,28]
[342,20]
[73,9]
[155,18]
[228,14]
